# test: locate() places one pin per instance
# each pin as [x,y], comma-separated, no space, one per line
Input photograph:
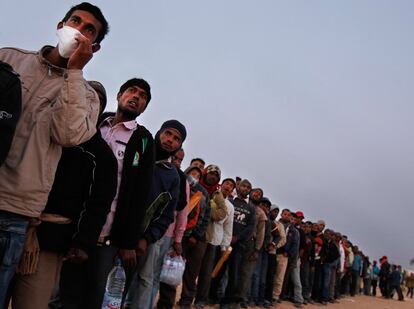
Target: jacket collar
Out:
[44,50]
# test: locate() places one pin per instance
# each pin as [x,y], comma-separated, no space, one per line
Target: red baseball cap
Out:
[299,214]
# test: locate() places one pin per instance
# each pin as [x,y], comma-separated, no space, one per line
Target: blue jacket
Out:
[165,179]
[292,242]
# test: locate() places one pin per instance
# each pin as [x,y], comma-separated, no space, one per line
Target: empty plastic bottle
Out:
[114,287]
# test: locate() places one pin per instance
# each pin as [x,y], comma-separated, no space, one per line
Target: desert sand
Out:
[357,302]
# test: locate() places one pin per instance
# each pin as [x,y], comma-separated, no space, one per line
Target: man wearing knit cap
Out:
[242,243]
[133,148]
[168,141]
[195,240]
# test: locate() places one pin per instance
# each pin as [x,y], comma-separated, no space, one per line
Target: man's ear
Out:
[60,25]
[96,47]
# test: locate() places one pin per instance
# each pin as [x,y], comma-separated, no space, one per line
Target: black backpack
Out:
[10,107]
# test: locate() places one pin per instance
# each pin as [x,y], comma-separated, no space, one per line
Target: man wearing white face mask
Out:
[59,109]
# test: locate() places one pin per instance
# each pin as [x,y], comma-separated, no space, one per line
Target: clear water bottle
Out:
[114,287]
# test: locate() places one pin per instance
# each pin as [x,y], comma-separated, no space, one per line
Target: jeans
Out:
[140,289]
[304,279]
[326,280]
[294,266]
[259,279]
[12,237]
[164,247]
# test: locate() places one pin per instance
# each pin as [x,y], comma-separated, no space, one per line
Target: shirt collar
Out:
[130,125]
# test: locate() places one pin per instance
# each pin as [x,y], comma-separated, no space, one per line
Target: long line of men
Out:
[77,185]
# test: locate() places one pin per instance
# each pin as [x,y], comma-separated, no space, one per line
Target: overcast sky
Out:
[310,100]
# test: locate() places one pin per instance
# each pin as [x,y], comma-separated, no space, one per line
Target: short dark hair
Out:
[141,83]
[230,180]
[286,209]
[96,12]
[198,159]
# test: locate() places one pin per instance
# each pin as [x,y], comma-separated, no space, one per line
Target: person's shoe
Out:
[199,305]
[224,306]
[185,306]
[310,301]
[243,304]
[298,305]
[267,304]
[236,306]
[324,303]
[279,301]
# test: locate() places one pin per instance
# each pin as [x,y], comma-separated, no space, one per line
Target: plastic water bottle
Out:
[114,287]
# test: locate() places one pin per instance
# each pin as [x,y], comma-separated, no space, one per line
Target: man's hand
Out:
[178,248]
[82,54]
[192,241]
[234,239]
[271,246]
[254,256]
[76,255]
[141,247]
[129,258]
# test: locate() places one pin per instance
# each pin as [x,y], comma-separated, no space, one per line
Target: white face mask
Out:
[67,43]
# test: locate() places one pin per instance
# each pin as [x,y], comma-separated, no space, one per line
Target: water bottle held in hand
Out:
[114,287]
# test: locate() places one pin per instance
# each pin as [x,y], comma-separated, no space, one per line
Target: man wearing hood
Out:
[195,240]
[168,141]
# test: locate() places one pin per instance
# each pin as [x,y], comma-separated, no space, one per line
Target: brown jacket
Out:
[58,109]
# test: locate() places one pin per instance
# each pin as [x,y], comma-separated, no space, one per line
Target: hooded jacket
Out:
[10,107]
[165,179]
[59,109]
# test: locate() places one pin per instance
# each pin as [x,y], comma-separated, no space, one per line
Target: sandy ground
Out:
[358,302]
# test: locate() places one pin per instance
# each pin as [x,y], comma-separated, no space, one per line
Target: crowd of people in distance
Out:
[81,187]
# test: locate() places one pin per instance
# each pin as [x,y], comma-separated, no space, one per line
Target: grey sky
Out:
[310,100]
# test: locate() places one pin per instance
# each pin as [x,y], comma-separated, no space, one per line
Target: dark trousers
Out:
[374,283]
[234,276]
[216,282]
[204,278]
[258,281]
[167,295]
[399,292]
[270,276]
[194,256]
[410,292]
[346,281]
[384,287]
[83,285]
[305,279]
[317,281]
[354,283]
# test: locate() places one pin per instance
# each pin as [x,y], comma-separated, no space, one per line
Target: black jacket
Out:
[10,107]
[83,190]
[133,195]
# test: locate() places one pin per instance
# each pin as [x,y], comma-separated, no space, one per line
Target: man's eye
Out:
[91,31]
[74,19]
